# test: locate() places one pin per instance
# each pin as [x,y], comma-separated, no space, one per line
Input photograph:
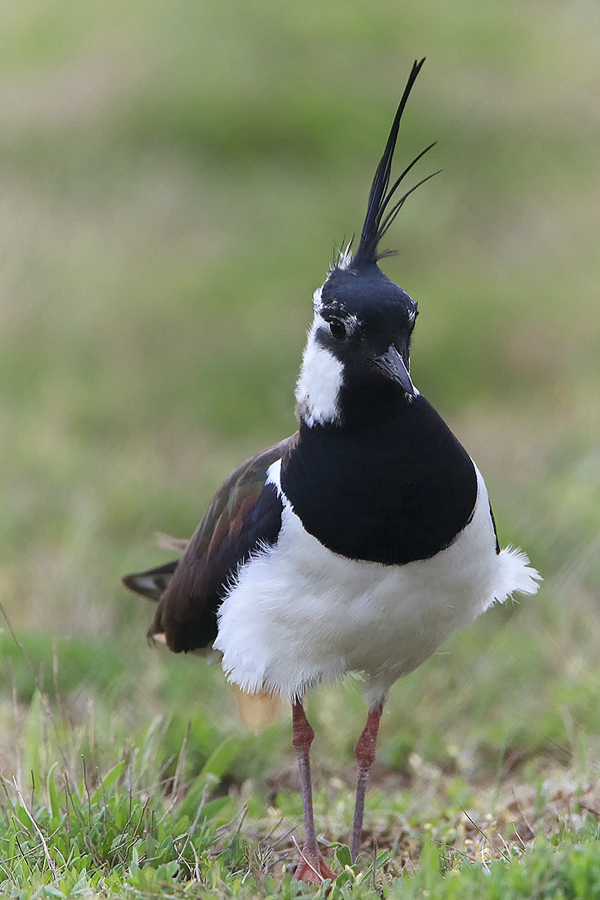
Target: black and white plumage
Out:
[358,544]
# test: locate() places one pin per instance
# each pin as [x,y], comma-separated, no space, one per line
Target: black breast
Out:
[394,489]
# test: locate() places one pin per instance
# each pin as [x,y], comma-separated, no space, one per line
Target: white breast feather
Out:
[299,614]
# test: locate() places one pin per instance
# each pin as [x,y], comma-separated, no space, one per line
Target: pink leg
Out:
[312,867]
[365,754]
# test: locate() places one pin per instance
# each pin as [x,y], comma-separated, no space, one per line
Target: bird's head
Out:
[359,340]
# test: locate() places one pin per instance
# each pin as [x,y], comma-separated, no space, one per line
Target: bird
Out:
[360,543]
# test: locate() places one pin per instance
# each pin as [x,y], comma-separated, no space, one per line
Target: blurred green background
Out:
[174,180]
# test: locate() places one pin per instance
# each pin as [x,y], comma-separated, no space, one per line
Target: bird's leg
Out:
[365,754]
[312,868]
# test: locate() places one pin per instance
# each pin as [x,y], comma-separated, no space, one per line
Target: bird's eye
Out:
[337,329]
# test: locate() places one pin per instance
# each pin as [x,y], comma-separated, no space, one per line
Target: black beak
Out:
[393,367]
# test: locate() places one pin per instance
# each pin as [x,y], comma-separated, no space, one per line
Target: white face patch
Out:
[319,382]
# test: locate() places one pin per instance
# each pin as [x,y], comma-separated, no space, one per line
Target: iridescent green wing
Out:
[244,515]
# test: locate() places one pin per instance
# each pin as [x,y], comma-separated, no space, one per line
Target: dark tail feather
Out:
[153,583]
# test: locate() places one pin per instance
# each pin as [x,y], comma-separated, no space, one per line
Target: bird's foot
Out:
[312,868]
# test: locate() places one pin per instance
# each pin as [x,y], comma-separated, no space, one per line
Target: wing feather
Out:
[244,515]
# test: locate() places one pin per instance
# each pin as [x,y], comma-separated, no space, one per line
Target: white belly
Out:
[299,614]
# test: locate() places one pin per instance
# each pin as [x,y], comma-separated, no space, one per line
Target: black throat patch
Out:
[391,490]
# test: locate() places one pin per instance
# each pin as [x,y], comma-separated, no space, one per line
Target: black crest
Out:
[379,217]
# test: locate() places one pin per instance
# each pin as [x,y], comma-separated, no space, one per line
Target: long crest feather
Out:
[377,220]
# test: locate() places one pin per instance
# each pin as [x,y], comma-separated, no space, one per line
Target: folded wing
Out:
[243,517]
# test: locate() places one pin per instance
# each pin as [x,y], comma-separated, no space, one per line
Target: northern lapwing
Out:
[358,544]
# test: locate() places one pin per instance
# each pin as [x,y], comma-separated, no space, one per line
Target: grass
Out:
[75,828]
[129,831]
[175,177]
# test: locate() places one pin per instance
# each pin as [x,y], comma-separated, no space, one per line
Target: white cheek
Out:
[319,383]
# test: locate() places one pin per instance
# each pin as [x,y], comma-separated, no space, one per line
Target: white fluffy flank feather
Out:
[515,575]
